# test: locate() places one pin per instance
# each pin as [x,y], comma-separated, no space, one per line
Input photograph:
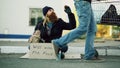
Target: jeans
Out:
[86,25]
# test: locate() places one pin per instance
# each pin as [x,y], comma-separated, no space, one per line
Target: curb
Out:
[80,50]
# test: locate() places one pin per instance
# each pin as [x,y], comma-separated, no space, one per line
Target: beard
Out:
[53,17]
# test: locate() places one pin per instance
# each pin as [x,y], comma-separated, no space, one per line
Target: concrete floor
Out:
[13,61]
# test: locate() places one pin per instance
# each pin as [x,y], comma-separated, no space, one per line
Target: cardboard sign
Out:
[42,51]
[47,51]
[72,56]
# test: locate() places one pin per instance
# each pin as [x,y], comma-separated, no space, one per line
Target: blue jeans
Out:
[86,25]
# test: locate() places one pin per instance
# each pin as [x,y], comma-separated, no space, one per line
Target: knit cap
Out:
[45,10]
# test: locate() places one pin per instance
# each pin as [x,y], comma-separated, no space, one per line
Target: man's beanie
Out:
[45,10]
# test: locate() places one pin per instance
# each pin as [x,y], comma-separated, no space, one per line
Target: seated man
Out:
[51,27]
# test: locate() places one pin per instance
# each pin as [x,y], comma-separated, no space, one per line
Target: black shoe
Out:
[56,48]
[96,54]
[62,56]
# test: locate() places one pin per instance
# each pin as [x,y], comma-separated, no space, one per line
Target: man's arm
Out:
[72,21]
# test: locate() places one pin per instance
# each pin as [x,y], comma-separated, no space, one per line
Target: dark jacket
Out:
[57,28]
[88,0]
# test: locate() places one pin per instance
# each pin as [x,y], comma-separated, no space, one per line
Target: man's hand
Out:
[67,9]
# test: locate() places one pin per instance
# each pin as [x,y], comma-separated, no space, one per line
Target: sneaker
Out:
[56,48]
[61,55]
[94,59]
[96,54]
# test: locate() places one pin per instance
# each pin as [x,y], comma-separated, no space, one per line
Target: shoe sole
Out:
[94,61]
[55,49]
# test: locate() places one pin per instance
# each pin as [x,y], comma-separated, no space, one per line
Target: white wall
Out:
[14,14]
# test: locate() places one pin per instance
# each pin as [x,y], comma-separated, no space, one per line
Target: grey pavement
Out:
[13,61]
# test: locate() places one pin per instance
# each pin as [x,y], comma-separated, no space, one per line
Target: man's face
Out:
[52,15]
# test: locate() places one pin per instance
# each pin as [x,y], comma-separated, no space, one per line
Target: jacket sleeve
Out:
[71,24]
[38,26]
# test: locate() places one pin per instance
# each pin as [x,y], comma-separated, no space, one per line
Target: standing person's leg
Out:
[89,46]
[83,15]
